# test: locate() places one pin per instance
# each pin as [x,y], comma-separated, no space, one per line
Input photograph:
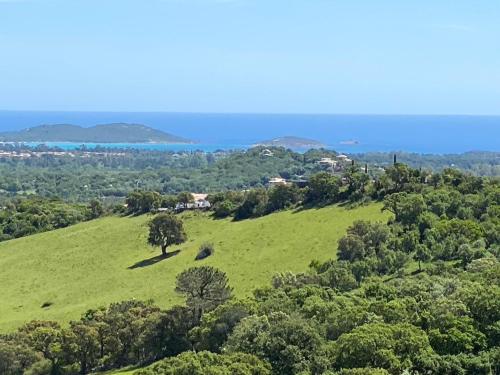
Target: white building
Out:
[200,202]
[267,152]
[327,162]
[277,181]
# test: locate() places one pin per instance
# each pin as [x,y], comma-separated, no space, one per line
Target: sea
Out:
[426,134]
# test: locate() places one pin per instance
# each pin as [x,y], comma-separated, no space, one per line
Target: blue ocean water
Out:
[422,134]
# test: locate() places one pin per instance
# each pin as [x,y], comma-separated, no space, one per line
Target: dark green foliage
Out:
[283,196]
[16,355]
[111,174]
[23,217]
[388,346]
[95,209]
[304,324]
[206,363]
[477,163]
[254,205]
[184,198]
[166,230]
[204,287]
[224,204]
[216,326]
[323,188]
[141,202]
[368,312]
[288,343]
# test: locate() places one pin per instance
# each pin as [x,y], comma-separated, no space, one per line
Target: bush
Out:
[224,209]
[206,249]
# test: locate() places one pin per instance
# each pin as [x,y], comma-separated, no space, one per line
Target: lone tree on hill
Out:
[166,230]
[204,287]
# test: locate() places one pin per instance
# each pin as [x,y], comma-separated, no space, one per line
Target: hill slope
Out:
[107,260]
[109,133]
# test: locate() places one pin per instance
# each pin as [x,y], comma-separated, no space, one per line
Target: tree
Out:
[406,207]
[204,287]
[323,188]
[289,343]
[224,209]
[356,183]
[423,254]
[216,326]
[46,338]
[283,196]
[165,230]
[399,174]
[141,202]
[185,198]
[254,205]
[351,248]
[392,347]
[206,363]
[83,342]
[95,209]
[16,356]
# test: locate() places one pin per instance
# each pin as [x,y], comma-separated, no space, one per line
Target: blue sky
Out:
[308,56]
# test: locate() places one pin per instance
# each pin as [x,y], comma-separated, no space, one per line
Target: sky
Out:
[251,56]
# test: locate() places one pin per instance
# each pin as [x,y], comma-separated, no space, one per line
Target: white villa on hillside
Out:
[200,200]
[267,152]
[327,162]
[277,181]
[200,203]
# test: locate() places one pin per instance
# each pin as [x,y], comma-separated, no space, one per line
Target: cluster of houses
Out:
[332,164]
[199,202]
[38,154]
[335,164]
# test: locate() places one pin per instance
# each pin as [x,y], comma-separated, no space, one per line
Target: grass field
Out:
[107,260]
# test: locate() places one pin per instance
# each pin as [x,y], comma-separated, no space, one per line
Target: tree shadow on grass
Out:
[153,260]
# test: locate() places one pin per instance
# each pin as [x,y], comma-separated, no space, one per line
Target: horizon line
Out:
[257,113]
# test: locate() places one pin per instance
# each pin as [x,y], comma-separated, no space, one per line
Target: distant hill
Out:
[291,142]
[108,133]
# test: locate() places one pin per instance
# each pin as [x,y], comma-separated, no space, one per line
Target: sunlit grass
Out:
[89,265]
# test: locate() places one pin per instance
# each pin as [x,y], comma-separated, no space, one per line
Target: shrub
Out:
[206,249]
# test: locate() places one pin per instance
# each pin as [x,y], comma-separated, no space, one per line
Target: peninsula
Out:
[107,133]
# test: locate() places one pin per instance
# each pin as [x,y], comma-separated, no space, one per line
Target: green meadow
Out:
[107,260]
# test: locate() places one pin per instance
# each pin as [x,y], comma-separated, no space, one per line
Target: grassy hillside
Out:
[102,261]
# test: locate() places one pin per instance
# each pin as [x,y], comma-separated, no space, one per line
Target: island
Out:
[106,133]
[291,142]
[350,142]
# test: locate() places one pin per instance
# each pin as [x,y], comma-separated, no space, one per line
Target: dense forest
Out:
[25,216]
[110,174]
[419,294]
[112,177]
[478,163]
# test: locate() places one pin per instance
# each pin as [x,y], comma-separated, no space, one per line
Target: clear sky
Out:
[308,56]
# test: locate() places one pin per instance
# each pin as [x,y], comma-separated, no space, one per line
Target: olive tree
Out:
[165,230]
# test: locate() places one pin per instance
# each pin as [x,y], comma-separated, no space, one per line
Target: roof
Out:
[199,196]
